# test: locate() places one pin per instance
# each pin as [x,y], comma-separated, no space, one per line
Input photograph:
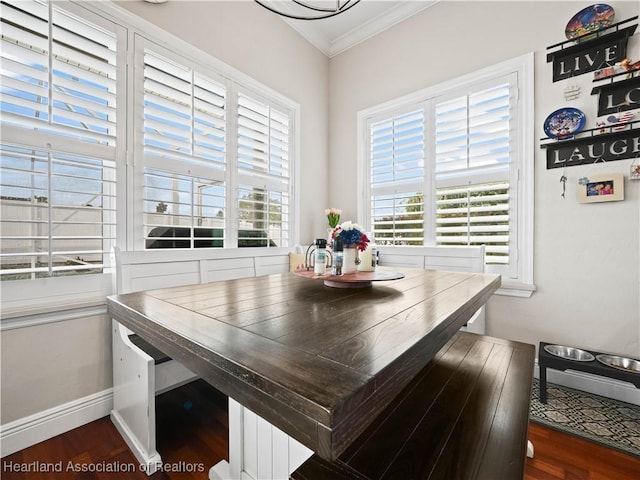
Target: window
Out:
[184,145]
[263,173]
[113,136]
[473,145]
[397,178]
[58,148]
[216,158]
[452,165]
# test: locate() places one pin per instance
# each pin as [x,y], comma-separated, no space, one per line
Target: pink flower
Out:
[333,215]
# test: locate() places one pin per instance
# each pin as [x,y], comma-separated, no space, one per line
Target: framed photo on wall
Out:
[601,188]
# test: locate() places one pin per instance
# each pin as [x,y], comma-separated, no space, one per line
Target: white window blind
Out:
[263,195]
[184,117]
[59,137]
[58,213]
[472,169]
[397,146]
[184,155]
[58,73]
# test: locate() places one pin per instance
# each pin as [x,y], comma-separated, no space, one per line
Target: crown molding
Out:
[387,19]
[377,25]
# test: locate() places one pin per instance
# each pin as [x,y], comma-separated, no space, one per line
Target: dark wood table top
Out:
[317,362]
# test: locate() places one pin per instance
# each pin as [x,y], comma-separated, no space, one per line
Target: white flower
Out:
[349,225]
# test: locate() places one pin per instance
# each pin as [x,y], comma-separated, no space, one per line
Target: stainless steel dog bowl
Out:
[569,353]
[621,363]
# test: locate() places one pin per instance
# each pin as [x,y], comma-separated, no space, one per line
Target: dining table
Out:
[313,363]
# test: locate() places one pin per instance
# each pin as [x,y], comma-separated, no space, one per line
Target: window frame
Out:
[236,83]
[522,172]
[48,295]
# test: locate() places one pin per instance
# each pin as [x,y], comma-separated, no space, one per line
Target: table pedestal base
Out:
[257,449]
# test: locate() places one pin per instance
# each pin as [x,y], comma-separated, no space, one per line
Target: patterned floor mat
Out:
[603,420]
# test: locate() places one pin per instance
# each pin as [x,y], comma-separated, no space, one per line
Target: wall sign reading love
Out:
[618,96]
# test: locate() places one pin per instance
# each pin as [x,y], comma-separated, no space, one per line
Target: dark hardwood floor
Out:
[559,456]
[192,436]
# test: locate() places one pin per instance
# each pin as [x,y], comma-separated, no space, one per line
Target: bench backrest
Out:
[460,259]
[144,270]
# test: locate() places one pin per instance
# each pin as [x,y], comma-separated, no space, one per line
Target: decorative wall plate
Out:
[564,122]
[589,20]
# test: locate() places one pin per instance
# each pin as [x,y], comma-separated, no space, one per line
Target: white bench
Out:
[140,373]
[458,259]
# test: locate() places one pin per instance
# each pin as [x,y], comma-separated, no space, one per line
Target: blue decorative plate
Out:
[588,20]
[564,122]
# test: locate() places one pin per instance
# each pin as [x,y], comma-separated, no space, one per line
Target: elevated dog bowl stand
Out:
[547,360]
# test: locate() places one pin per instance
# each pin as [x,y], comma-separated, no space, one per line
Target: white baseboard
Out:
[27,431]
[596,384]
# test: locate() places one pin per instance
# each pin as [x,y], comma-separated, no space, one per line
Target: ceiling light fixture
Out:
[308,11]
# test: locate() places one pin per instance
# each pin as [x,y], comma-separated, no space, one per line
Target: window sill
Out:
[516,289]
[22,318]
[17,311]
[47,300]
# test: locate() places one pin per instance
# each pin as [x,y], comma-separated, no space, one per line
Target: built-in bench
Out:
[140,370]
[457,259]
[465,416]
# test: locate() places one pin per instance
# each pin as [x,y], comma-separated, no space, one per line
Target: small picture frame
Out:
[601,188]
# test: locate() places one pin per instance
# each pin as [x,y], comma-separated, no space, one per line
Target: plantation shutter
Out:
[263,174]
[60,81]
[57,164]
[397,146]
[472,170]
[184,155]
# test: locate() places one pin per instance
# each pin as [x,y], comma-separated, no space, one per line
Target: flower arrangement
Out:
[351,235]
[333,215]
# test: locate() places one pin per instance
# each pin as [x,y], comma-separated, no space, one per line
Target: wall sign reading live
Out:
[598,148]
[590,55]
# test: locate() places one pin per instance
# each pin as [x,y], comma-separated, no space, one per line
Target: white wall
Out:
[586,256]
[49,365]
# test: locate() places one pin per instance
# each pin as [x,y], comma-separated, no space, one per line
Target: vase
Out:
[350,260]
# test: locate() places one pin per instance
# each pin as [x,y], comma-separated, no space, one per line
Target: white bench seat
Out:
[141,371]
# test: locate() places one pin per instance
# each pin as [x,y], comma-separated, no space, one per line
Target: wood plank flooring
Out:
[559,456]
[192,435]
